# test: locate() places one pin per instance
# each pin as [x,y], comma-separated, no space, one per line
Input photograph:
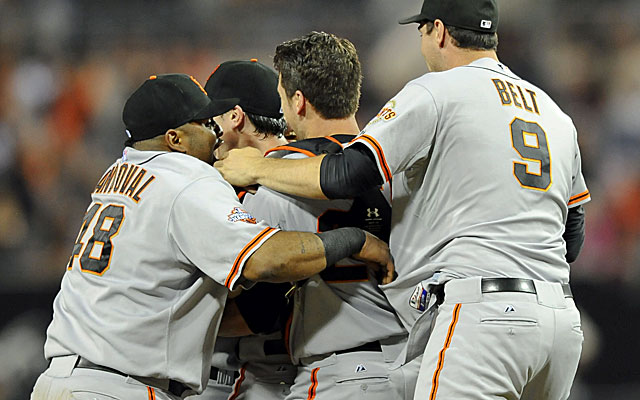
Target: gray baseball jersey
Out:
[324,309]
[490,183]
[162,242]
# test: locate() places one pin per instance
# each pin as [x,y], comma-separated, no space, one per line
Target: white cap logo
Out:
[486,24]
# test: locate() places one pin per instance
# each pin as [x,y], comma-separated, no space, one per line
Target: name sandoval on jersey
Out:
[125,179]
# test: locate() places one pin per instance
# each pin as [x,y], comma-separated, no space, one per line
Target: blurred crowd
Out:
[67,66]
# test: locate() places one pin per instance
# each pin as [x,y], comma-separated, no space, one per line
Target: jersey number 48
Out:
[95,254]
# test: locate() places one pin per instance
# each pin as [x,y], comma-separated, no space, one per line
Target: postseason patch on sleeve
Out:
[387,113]
[239,215]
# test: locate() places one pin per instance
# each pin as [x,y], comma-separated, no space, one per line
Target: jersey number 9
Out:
[530,141]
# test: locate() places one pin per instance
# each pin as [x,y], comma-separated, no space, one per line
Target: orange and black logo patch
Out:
[387,113]
[240,215]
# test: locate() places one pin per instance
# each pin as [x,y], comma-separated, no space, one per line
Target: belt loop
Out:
[550,294]
[62,367]
[464,290]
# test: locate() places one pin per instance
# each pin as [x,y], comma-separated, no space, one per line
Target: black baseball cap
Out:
[255,84]
[475,15]
[168,101]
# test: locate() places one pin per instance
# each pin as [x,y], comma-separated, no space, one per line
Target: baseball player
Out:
[161,244]
[487,218]
[320,96]
[265,369]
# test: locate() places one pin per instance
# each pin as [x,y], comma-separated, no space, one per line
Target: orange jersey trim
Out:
[236,386]
[152,393]
[314,384]
[447,343]
[242,255]
[383,161]
[579,197]
[287,332]
[290,148]
[334,140]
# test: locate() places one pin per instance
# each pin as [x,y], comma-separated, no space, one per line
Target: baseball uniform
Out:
[267,372]
[261,363]
[343,333]
[163,241]
[489,167]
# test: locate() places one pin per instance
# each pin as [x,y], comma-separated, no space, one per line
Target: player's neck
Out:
[262,143]
[462,57]
[320,127]
[270,142]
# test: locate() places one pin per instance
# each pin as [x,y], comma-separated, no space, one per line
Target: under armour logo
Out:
[373,213]
[510,309]
[361,368]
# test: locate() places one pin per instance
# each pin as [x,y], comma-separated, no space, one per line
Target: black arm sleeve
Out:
[574,233]
[347,174]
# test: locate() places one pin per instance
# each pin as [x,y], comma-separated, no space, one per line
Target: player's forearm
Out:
[286,257]
[296,177]
[574,233]
[293,256]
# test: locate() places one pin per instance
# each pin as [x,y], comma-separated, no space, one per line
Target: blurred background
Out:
[67,67]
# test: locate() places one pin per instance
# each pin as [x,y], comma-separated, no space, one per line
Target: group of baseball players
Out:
[425,256]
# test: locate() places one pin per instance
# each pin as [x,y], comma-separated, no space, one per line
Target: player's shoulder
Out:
[176,169]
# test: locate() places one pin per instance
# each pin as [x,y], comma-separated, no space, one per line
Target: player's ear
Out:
[299,101]
[236,114]
[175,140]
[440,31]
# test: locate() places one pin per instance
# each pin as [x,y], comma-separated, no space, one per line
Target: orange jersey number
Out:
[95,254]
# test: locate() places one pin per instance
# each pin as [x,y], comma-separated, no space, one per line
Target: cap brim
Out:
[415,18]
[217,107]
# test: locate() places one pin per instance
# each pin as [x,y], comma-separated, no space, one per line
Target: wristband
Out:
[340,243]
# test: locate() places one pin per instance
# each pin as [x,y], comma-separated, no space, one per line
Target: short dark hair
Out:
[468,39]
[325,68]
[267,125]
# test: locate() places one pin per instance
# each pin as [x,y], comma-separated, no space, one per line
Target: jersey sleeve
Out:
[579,192]
[403,130]
[268,205]
[212,231]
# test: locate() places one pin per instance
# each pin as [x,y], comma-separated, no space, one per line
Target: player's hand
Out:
[239,166]
[378,257]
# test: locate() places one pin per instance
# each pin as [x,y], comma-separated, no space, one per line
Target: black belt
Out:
[495,285]
[491,285]
[371,346]
[176,388]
